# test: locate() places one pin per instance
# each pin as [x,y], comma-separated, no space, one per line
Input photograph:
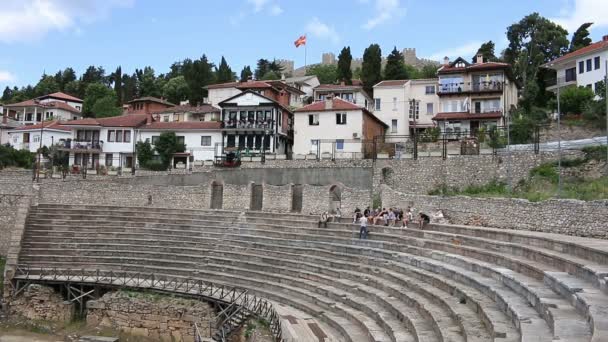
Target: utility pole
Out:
[606,95]
[507,115]
[559,145]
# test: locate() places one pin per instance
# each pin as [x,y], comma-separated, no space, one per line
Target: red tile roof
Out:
[186,125]
[152,99]
[392,83]
[278,84]
[448,69]
[129,120]
[253,85]
[222,85]
[205,108]
[47,125]
[597,46]
[61,96]
[337,104]
[467,116]
[338,86]
[50,104]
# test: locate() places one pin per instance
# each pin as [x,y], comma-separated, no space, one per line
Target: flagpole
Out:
[305,51]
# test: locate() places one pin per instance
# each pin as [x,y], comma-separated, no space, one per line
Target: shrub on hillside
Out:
[12,157]
[574,99]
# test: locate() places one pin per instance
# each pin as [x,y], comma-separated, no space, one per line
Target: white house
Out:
[405,104]
[203,139]
[279,91]
[335,128]
[307,84]
[104,141]
[353,93]
[187,112]
[70,100]
[584,67]
[28,137]
[56,106]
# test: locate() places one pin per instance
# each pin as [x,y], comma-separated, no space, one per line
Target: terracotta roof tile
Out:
[61,96]
[183,125]
[601,45]
[47,125]
[337,86]
[152,99]
[128,120]
[446,69]
[205,108]
[50,104]
[337,104]
[467,116]
[391,83]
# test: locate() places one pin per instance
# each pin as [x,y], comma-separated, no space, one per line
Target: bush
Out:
[595,113]
[156,165]
[595,152]
[144,153]
[166,146]
[545,171]
[12,157]
[574,99]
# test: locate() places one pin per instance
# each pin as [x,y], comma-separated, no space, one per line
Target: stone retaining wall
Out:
[153,316]
[570,217]
[39,302]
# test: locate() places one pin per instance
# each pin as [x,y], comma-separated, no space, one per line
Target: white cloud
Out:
[384,10]
[23,20]
[6,76]
[322,30]
[466,51]
[577,12]
[258,5]
[276,10]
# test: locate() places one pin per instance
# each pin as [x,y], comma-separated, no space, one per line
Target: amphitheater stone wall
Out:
[563,216]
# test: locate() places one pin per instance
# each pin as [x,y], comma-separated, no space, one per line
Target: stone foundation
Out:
[39,302]
[157,317]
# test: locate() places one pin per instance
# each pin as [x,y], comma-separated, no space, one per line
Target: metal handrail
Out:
[211,291]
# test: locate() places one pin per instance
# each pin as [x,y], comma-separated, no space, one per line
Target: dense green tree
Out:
[326,73]
[343,71]
[68,75]
[145,153]
[176,90]
[166,146]
[224,73]
[371,68]
[262,68]
[246,73]
[580,38]
[146,81]
[129,87]
[271,75]
[487,51]
[198,74]
[91,75]
[95,92]
[46,85]
[275,66]
[428,71]
[7,94]
[574,99]
[106,107]
[395,66]
[117,79]
[533,41]
[72,88]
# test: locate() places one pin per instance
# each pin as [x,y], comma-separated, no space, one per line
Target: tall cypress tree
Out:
[395,66]
[118,85]
[580,38]
[224,73]
[371,69]
[344,72]
[246,73]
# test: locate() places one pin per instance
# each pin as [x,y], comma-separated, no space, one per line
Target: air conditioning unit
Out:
[355,135]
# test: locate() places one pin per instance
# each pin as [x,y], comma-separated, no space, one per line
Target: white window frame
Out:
[315,120]
[377,103]
[341,119]
[394,126]
[204,138]
[432,111]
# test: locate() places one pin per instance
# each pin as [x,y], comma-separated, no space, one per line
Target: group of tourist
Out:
[393,217]
[389,218]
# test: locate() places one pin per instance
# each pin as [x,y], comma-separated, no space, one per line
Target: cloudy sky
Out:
[48,35]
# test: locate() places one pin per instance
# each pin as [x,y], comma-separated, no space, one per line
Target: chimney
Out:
[446,60]
[479,58]
[605,38]
[329,101]
[149,119]
[342,83]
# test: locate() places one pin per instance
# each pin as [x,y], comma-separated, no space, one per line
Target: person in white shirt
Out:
[363,227]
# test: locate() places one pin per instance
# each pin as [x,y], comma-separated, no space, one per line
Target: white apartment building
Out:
[353,93]
[56,106]
[29,137]
[335,128]
[584,67]
[405,104]
[474,96]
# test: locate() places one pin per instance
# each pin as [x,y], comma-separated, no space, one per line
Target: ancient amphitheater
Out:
[444,283]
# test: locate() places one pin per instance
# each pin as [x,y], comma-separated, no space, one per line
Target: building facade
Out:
[33,137]
[335,128]
[147,105]
[353,93]
[585,67]
[474,96]
[279,91]
[55,106]
[406,104]
[256,124]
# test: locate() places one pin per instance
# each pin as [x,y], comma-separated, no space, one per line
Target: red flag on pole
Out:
[300,41]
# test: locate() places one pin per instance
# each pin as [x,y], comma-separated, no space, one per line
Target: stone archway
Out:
[217,195]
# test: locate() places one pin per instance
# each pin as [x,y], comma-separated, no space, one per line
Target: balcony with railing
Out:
[78,145]
[248,124]
[469,87]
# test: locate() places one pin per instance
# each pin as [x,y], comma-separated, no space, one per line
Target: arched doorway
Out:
[217,195]
[257,197]
[335,198]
